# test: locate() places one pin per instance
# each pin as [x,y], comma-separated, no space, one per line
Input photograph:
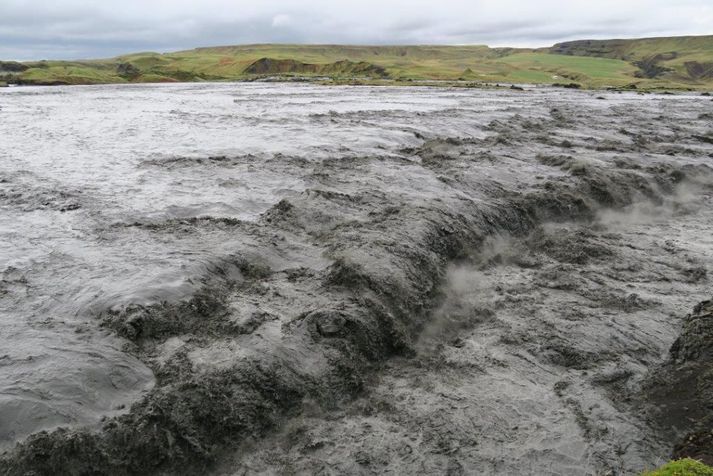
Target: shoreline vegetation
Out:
[651,64]
[682,467]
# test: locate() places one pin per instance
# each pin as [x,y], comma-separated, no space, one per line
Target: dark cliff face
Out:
[278,66]
[12,67]
[651,68]
[270,66]
[599,48]
[683,388]
[128,70]
[698,70]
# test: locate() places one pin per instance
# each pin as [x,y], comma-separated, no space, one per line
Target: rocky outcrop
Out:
[683,388]
[698,70]
[12,67]
[651,67]
[270,66]
[128,71]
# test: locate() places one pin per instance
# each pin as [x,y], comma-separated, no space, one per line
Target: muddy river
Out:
[288,278]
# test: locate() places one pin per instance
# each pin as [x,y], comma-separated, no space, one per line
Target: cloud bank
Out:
[69,29]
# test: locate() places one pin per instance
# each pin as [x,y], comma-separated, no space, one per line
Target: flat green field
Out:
[576,67]
[672,63]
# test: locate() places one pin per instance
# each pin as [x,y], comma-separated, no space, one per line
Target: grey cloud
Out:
[86,28]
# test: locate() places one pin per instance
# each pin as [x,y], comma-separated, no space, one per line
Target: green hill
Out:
[678,62]
[686,59]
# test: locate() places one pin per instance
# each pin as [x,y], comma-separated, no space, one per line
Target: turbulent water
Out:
[77,163]
[369,279]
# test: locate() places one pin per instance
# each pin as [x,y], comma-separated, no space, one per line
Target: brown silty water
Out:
[246,279]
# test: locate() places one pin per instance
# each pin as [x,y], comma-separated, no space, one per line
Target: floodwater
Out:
[91,176]
[76,161]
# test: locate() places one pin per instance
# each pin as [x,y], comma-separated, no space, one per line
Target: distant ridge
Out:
[649,63]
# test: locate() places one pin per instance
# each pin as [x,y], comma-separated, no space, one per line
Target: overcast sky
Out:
[36,29]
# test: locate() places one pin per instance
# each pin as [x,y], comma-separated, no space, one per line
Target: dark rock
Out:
[568,85]
[128,71]
[650,67]
[682,389]
[12,67]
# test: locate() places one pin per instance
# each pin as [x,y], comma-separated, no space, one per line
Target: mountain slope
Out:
[686,58]
[679,62]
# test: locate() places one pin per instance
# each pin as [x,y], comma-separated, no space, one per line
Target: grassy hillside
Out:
[685,62]
[686,59]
